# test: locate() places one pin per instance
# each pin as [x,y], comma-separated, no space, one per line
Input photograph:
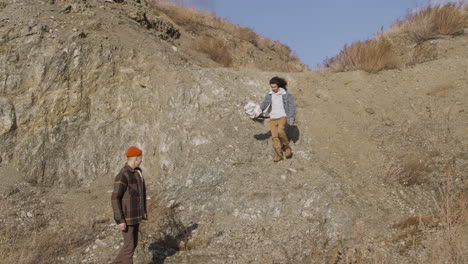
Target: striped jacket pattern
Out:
[129,196]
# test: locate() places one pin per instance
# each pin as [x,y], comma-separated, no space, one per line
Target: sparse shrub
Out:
[446,242]
[215,49]
[248,35]
[449,20]
[371,56]
[419,54]
[410,168]
[418,28]
[281,48]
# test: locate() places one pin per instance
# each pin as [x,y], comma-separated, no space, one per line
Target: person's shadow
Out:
[169,244]
[292,132]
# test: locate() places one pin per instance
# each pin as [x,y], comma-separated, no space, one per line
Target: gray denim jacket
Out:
[288,104]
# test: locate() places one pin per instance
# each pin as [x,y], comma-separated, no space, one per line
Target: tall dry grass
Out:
[440,237]
[432,21]
[381,53]
[410,168]
[372,56]
[447,242]
[215,49]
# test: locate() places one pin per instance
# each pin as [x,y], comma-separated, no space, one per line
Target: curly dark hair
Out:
[282,83]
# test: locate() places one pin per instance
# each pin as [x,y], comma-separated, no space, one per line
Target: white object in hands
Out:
[252,109]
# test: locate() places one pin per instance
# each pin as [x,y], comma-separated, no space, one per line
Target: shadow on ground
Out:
[169,245]
[291,131]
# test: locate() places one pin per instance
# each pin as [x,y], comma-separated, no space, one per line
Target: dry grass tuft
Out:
[248,35]
[440,90]
[215,49]
[371,56]
[410,168]
[165,233]
[357,250]
[415,221]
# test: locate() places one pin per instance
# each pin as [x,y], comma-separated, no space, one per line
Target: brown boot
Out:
[288,152]
[278,158]
[278,150]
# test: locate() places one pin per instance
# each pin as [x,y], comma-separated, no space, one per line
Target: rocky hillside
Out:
[378,161]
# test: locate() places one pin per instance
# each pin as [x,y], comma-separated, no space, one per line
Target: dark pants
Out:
[130,237]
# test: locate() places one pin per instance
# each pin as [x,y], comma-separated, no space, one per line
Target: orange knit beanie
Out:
[133,152]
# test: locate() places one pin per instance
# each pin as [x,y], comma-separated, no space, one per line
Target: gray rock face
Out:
[7,116]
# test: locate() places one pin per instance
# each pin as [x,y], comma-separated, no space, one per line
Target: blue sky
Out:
[315,30]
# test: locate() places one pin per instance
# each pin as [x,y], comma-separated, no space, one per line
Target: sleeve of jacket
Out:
[266,102]
[292,109]
[145,201]
[120,186]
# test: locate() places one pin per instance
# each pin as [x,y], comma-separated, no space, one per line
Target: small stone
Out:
[170,203]
[100,243]
[174,48]
[388,122]
[292,170]
[370,110]
[29,214]
[67,9]
[75,29]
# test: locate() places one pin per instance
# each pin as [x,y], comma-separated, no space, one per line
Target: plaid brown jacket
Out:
[129,196]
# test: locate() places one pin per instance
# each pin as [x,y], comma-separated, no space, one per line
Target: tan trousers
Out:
[130,237]
[278,135]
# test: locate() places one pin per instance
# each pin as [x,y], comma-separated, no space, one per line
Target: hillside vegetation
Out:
[406,42]
[228,44]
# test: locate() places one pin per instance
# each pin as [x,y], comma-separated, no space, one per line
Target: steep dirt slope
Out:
[372,150]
